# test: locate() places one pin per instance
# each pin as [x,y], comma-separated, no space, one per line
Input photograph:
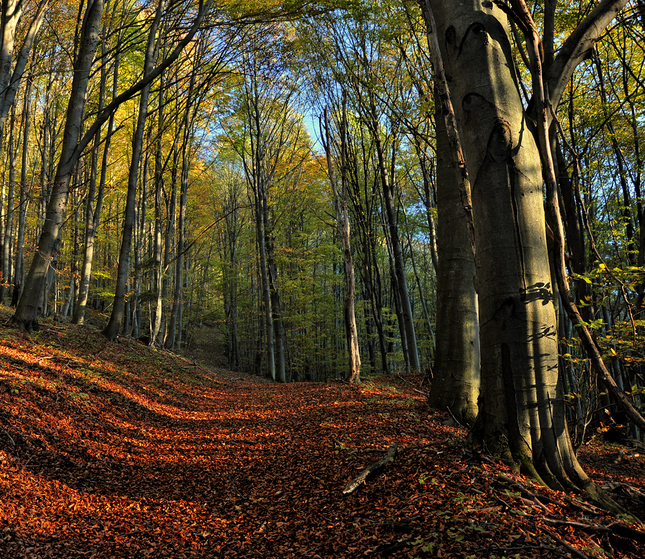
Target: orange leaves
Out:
[164,459]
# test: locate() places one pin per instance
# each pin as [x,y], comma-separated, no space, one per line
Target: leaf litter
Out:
[118,450]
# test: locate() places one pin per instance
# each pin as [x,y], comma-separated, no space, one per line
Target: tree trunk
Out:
[157,314]
[116,318]
[10,16]
[27,311]
[408,331]
[455,383]
[521,410]
[7,241]
[174,329]
[93,207]
[25,195]
[344,232]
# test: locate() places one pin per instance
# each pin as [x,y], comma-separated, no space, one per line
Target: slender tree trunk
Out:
[93,207]
[25,195]
[261,212]
[455,384]
[7,250]
[409,336]
[27,311]
[174,329]
[344,232]
[116,318]
[11,70]
[276,313]
[158,240]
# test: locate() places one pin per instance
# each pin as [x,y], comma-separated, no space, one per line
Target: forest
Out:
[342,191]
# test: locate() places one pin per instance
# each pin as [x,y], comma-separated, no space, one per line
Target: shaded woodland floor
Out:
[116,450]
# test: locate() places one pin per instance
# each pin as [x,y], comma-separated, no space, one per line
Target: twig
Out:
[10,437]
[453,417]
[579,525]
[524,490]
[360,479]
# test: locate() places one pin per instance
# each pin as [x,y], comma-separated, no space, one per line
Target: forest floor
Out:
[118,450]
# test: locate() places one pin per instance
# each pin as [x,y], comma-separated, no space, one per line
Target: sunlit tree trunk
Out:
[174,329]
[521,407]
[344,232]
[521,414]
[158,272]
[25,195]
[7,241]
[116,318]
[27,311]
[11,70]
[94,203]
[408,330]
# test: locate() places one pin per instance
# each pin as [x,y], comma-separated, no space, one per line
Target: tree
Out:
[521,413]
[30,301]
[343,226]
[11,71]
[152,48]
[26,314]
[456,374]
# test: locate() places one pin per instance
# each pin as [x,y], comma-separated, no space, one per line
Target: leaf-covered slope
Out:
[116,450]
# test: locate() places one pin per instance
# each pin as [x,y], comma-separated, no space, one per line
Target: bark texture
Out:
[455,384]
[521,410]
[27,311]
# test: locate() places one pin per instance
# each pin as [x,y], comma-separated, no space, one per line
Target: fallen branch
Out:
[389,456]
[616,528]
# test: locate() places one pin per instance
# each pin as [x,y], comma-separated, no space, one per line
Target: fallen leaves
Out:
[114,450]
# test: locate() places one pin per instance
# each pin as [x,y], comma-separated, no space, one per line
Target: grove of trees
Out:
[342,189]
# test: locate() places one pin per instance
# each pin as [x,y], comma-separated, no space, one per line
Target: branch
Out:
[576,48]
[104,115]
[370,470]
[445,108]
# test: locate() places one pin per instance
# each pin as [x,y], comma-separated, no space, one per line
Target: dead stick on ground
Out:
[371,469]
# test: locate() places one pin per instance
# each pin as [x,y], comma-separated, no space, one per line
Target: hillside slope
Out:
[117,450]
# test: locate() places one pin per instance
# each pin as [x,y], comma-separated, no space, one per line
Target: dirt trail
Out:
[114,450]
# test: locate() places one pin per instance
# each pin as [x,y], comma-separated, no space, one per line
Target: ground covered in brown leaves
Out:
[116,450]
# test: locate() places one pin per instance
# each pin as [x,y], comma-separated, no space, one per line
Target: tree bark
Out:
[7,241]
[344,232]
[521,410]
[93,207]
[408,330]
[73,145]
[116,318]
[456,372]
[10,16]
[26,314]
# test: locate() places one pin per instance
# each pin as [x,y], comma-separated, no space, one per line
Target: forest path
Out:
[116,450]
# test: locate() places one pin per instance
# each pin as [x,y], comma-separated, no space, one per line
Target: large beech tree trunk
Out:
[521,413]
[521,410]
